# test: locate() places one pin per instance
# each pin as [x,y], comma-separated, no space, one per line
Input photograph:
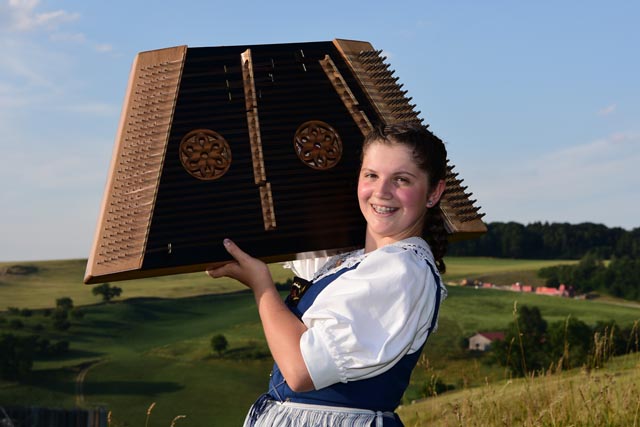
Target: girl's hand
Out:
[248,270]
[281,327]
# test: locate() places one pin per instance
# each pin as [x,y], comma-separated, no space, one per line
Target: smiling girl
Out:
[346,342]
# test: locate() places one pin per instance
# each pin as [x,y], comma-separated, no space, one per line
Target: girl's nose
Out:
[383,189]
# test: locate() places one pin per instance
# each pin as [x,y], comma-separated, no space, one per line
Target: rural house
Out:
[482,340]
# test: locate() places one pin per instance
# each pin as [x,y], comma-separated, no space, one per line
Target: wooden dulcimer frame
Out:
[257,143]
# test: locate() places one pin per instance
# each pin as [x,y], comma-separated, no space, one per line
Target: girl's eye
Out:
[402,180]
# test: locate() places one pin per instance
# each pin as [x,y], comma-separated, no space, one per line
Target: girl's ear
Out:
[436,193]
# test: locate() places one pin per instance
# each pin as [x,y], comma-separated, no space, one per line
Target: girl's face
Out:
[392,192]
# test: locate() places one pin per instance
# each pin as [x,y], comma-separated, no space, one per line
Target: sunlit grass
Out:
[58,279]
[604,397]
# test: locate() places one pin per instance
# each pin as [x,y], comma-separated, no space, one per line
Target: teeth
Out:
[383,209]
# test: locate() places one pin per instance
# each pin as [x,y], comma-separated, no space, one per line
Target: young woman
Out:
[345,347]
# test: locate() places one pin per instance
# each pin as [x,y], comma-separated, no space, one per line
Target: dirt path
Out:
[84,369]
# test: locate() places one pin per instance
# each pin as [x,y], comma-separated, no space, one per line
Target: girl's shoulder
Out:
[415,245]
[411,250]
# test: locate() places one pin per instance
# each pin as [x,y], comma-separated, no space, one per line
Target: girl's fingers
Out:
[231,267]
[217,272]
[233,249]
[245,269]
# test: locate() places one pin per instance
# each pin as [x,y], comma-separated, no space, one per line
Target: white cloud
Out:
[583,168]
[78,38]
[609,109]
[25,69]
[388,55]
[21,15]
[595,181]
[103,47]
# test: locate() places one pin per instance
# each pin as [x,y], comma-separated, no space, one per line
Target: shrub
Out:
[435,387]
[16,324]
[77,314]
[59,348]
[219,343]
[61,324]
[60,319]
[16,356]
[65,303]
[107,291]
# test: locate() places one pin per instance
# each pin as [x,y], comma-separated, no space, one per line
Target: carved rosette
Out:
[205,154]
[318,145]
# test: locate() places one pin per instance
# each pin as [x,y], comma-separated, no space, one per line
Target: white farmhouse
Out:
[482,340]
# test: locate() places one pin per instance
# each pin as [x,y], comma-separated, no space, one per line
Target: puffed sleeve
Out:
[369,318]
[305,268]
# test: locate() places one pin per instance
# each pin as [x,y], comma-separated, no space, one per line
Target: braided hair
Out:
[430,155]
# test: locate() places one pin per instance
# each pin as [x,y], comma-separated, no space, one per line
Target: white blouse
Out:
[367,319]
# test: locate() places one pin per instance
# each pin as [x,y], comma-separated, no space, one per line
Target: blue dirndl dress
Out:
[365,402]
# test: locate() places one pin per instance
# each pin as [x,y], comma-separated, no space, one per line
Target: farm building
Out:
[482,340]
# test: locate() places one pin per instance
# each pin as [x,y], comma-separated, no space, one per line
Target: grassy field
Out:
[154,346]
[56,279]
[499,271]
[606,397]
[147,350]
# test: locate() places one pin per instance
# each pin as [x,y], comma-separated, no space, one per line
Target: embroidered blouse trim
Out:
[349,259]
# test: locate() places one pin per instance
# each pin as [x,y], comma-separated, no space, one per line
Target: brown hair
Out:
[430,155]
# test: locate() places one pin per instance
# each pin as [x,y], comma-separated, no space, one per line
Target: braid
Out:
[435,234]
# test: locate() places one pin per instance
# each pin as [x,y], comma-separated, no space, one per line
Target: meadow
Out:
[153,344]
[609,396]
[63,278]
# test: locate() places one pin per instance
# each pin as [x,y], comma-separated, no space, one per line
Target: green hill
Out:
[38,284]
[605,397]
[154,345]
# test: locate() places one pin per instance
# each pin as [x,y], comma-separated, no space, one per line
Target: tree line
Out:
[540,240]
[618,278]
[19,350]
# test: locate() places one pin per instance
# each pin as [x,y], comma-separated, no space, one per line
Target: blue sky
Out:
[539,102]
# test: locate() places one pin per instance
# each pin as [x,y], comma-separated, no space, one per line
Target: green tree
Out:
[219,344]
[615,338]
[619,279]
[16,356]
[570,342]
[64,303]
[107,291]
[60,318]
[623,279]
[525,347]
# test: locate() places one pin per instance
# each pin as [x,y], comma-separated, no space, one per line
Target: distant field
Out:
[500,271]
[57,279]
[156,347]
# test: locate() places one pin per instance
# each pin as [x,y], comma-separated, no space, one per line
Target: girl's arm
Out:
[281,327]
